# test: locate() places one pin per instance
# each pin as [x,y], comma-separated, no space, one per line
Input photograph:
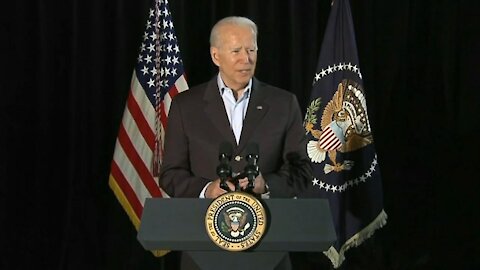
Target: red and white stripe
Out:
[131,177]
[328,140]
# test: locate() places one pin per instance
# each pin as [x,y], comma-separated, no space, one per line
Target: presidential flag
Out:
[157,77]
[341,146]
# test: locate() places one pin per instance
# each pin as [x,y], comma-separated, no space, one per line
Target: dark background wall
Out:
[66,70]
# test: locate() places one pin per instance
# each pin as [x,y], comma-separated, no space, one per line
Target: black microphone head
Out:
[251,169]
[225,150]
[224,169]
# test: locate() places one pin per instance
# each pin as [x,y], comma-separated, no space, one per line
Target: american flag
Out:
[157,77]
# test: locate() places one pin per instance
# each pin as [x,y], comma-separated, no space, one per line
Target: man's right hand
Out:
[214,190]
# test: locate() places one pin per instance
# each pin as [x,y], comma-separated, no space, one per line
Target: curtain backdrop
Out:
[67,67]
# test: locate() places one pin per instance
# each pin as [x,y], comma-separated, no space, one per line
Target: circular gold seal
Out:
[235,221]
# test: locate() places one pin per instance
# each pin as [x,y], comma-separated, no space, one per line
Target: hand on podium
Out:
[214,190]
[259,184]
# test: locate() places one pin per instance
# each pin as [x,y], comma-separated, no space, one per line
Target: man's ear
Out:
[214,56]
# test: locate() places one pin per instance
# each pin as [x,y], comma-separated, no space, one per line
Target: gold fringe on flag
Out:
[337,258]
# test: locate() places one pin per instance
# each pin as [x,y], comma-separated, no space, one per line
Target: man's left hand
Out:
[258,184]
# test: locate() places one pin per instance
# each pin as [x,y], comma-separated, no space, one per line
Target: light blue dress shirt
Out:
[236,109]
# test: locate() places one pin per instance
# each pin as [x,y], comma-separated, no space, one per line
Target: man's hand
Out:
[258,184]
[214,190]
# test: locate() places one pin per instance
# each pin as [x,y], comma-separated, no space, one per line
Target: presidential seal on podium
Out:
[236,221]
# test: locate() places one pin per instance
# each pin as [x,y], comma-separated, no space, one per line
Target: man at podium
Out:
[237,110]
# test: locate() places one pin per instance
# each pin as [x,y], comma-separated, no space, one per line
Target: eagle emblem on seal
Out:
[344,126]
[236,221]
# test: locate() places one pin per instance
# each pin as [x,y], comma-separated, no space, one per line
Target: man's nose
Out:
[246,56]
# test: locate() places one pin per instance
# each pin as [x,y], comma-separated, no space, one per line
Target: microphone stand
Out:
[251,170]
[224,170]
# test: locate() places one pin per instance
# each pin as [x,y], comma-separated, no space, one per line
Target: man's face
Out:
[235,55]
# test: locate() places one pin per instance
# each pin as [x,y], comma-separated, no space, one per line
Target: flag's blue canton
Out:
[151,74]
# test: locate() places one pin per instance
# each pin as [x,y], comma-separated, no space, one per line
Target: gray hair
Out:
[232,20]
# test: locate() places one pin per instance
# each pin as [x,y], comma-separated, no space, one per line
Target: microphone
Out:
[251,169]
[224,170]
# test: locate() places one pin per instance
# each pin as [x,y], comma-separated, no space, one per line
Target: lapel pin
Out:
[259,107]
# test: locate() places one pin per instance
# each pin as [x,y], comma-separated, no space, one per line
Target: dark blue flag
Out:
[341,148]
